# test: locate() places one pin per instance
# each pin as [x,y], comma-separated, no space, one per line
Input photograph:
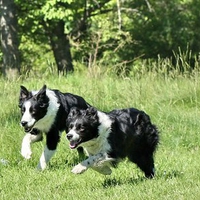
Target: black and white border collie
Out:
[45,111]
[110,137]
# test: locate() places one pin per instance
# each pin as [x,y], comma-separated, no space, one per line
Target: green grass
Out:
[172,103]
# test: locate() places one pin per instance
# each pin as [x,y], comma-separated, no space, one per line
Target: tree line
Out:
[92,31]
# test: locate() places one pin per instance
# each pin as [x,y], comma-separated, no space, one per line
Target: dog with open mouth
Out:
[110,137]
[45,111]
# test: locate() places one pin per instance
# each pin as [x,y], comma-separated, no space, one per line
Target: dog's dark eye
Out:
[32,111]
[70,126]
[80,127]
[42,105]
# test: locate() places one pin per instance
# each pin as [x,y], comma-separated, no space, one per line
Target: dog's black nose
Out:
[23,123]
[69,136]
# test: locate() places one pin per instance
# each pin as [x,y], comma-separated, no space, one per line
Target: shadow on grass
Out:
[112,182]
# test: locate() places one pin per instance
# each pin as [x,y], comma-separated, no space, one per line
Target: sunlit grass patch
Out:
[173,105]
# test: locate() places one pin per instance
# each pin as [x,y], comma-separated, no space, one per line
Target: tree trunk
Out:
[9,39]
[60,46]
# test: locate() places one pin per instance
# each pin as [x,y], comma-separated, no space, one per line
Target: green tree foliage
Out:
[56,22]
[106,32]
[194,22]
[149,29]
[45,29]
[160,27]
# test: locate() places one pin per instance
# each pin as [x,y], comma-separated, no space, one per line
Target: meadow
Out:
[172,102]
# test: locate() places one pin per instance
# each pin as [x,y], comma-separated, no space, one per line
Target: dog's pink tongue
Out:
[72,144]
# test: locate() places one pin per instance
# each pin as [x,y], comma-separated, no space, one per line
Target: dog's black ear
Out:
[41,96]
[142,118]
[42,92]
[24,94]
[91,112]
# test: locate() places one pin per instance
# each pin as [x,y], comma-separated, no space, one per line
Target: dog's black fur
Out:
[45,111]
[110,137]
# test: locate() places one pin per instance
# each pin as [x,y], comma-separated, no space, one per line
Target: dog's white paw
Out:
[78,169]
[41,166]
[26,152]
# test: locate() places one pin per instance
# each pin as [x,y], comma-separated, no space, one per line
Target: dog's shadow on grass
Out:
[112,182]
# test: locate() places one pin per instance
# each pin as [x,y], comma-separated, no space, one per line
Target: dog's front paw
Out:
[26,152]
[78,169]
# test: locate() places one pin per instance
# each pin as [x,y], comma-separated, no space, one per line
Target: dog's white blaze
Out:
[75,136]
[46,122]
[100,144]
[45,157]
[27,115]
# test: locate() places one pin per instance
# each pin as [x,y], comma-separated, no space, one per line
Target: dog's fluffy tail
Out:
[148,131]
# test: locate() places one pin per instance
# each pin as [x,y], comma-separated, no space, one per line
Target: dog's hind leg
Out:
[146,164]
[26,144]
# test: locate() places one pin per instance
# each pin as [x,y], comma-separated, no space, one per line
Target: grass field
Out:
[172,103]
